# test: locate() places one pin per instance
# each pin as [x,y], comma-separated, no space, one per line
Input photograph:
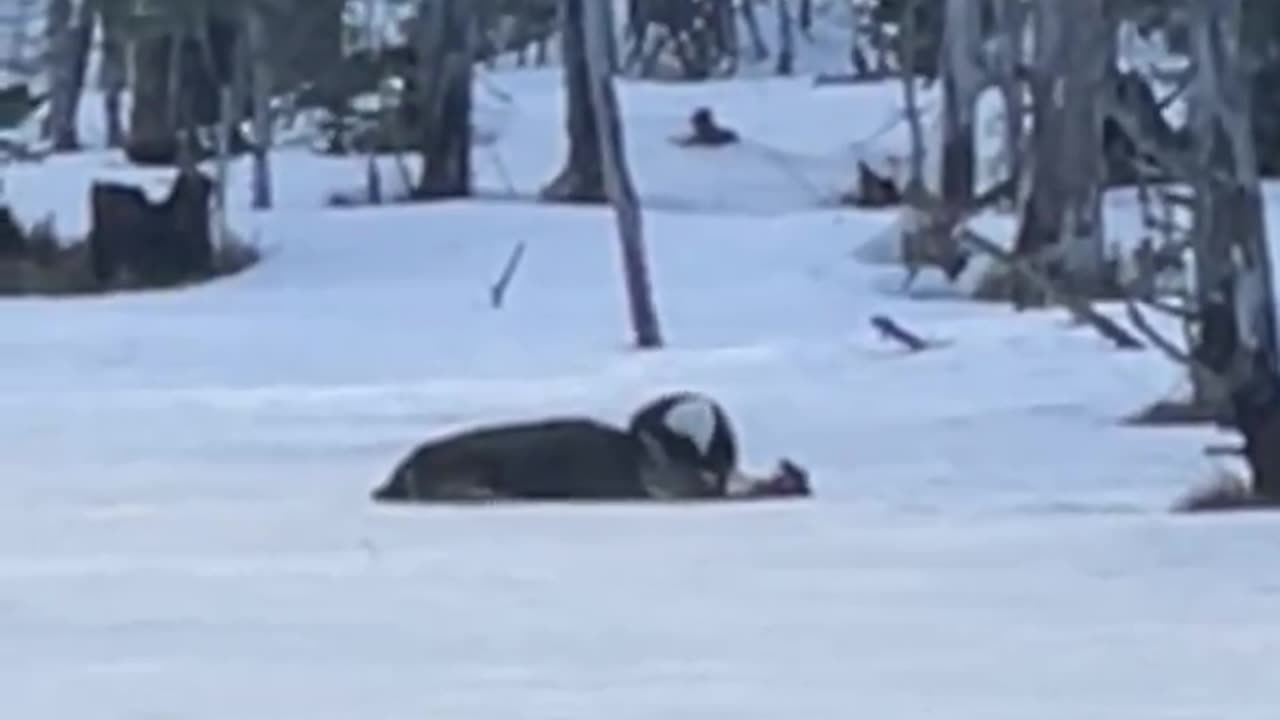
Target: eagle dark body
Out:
[556,459]
[679,446]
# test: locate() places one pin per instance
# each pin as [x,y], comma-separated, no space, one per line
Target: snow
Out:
[185,530]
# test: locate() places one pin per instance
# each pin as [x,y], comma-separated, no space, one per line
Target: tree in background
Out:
[445,41]
[595,29]
[582,178]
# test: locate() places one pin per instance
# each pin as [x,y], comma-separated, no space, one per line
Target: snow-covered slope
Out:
[184,523]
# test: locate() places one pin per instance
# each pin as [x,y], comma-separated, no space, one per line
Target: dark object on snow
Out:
[666,454]
[890,329]
[789,480]
[706,132]
[875,191]
[137,243]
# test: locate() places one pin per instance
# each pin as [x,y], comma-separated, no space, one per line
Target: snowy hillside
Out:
[185,529]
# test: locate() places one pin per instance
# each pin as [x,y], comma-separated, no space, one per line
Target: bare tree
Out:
[962,80]
[1010,21]
[758,47]
[582,178]
[260,73]
[1236,288]
[112,18]
[786,39]
[445,40]
[1061,226]
[911,104]
[69,29]
[595,28]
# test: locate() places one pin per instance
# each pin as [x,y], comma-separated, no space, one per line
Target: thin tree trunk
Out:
[112,71]
[70,29]
[786,40]
[582,178]
[806,17]
[758,46]
[222,169]
[912,106]
[961,82]
[259,67]
[617,175]
[1010,24]
[1091,53]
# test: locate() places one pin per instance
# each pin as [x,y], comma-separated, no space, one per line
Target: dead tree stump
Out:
[137,243]
[13,241]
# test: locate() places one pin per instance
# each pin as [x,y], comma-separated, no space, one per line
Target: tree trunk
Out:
[758,47]
[961,82]
[582,179]
[113,70]
[786,40]
[260,71]
[1090,58]
[806,17]
[1231,236]
[445,55]
[1010,22]
[594,27]
[915,177]
[152,117]
[70,29]
[1061,227]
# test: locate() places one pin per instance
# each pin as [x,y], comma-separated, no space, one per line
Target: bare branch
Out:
[1078,307]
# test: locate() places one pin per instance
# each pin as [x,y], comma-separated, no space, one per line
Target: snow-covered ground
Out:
[184,523]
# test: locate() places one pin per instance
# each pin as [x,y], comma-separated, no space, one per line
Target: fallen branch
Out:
[1077,306]
[892,330]
[499,289]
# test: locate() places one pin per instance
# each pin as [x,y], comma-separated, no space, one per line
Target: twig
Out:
[499,289]
[890,329]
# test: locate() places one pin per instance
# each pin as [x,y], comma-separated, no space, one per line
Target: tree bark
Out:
[1010,21]
[113,70]
[961,82]
[915,177]
[70,28]
[582,179]
[617,176]
[1091,54]
[260,71]
[1231,236]
[1061,226]
[758,47]
[445,55]
[152,117]
[786,40]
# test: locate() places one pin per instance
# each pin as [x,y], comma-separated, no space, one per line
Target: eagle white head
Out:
[693,418]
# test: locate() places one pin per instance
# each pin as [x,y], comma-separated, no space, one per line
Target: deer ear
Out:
[694,419]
